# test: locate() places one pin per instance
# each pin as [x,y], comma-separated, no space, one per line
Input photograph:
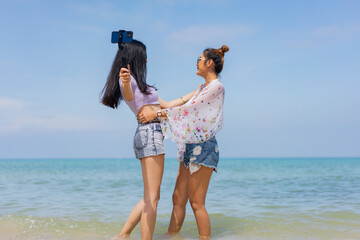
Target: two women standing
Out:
[192,121]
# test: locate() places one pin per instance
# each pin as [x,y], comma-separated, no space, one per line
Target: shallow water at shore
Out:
[305,198]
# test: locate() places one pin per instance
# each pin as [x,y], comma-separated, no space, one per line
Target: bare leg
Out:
[198,186]
[152,170]
[132,221]
[180,198]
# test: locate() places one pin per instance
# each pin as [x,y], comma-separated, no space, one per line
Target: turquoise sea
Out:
[277,198]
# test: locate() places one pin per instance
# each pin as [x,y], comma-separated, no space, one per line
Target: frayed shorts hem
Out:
[200,165]
[201,154]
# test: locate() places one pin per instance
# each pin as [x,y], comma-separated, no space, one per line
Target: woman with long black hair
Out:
[128,83]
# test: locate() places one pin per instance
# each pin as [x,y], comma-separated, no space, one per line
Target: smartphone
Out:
[121,36]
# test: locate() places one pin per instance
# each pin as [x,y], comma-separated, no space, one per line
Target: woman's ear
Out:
[210,63]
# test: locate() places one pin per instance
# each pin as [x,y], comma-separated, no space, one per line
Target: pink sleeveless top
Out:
[140,99]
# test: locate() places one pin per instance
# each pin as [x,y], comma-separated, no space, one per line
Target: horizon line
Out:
[123,158]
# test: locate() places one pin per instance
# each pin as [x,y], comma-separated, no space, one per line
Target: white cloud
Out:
[193,2]
[325,35]
[193,37]
[18,116]
[97,9]
[88,28]
[336,31]
[56,123]
[10,103]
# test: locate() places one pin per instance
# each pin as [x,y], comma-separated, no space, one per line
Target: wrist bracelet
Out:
[182,100]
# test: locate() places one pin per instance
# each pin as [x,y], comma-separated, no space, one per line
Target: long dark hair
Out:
[133,53]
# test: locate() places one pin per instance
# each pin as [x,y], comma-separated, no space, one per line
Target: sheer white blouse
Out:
[197,120]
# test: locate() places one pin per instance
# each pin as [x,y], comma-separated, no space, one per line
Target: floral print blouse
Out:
[197,120]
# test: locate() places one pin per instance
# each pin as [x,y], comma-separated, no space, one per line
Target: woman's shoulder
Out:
[217,85]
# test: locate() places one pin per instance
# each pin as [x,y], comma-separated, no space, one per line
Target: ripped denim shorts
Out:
[148,140]
[201,154]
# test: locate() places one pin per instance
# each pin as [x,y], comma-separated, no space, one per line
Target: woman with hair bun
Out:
[193,125]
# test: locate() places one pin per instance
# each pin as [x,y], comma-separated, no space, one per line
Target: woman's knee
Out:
[178,199]
[152,200]
[196,205]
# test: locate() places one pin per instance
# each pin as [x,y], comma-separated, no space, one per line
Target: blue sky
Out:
[292,74]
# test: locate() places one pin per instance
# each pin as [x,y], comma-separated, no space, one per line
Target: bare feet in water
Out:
[121,236]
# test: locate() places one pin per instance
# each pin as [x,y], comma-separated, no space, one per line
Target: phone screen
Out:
[127,36]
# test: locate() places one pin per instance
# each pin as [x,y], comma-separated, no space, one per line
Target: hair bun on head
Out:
[223,49]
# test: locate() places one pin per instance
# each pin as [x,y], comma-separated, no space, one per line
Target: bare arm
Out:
[126,83]
[177,102]
[163,103]
[147,114]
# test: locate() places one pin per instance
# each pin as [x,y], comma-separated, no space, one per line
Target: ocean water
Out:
[305,198]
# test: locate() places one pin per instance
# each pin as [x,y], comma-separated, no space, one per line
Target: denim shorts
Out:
[148,140]
[202,154]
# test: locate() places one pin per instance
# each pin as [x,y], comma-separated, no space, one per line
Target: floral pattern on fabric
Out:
[197,120]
